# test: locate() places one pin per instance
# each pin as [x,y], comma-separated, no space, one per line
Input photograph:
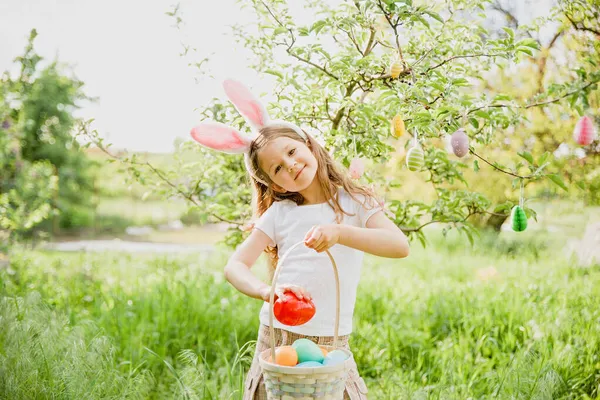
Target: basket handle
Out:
[272,298]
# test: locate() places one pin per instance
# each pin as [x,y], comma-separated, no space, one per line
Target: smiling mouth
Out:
[299,172]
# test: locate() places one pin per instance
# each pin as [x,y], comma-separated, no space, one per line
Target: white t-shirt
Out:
[286,224]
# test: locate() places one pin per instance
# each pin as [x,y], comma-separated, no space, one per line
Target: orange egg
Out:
[324,351]
[285,355]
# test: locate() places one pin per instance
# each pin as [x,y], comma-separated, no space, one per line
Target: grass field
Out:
[510,318]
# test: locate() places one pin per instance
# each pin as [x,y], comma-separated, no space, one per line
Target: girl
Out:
[300,195]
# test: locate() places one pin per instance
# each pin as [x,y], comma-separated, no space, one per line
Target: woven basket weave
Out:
[298,383]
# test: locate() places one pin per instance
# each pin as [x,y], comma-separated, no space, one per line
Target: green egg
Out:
[415,158]
[308,351]
[519,219]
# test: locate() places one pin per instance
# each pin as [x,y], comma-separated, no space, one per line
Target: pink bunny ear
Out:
[220,137]
[246,104]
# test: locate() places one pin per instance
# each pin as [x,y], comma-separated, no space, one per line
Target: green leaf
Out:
[543,158]
[529,42]
[525,50]
[460,82]
[317,26]
[509,31]
[527,156]
[279,30]
[476,166]
[273,72]
[435,16]
[558,180]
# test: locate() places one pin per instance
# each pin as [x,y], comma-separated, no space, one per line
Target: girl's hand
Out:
[300,292]
[322,237]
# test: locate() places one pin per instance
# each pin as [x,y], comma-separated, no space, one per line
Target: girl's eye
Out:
[277,168]
[292,151]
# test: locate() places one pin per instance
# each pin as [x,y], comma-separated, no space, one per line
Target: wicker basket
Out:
[298,383]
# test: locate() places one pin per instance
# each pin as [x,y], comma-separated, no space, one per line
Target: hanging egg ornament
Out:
[396,69]
[585,132]
[519,219]
[357,168]
[415,158]
[460,143]
[398,127]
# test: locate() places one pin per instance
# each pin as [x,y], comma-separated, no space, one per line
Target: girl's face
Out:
[289,163]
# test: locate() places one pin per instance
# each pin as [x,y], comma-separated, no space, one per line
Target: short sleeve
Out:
[366,208]
[266,222]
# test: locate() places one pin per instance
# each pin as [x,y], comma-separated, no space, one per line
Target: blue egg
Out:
[335,357]
[309,364]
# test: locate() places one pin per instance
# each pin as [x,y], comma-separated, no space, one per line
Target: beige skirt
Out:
[254,388]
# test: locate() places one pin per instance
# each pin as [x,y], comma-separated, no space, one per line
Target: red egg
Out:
[585,132]
[460,143]
[292,311]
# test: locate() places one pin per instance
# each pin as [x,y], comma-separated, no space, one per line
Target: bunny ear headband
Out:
[221,137]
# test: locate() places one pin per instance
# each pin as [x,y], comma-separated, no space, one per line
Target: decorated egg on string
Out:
[357,168]
[460,143]
[398,127]
[585,132]
[396,69]
[518,219]
[415,158]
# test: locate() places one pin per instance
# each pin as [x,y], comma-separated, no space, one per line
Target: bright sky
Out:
[128,55]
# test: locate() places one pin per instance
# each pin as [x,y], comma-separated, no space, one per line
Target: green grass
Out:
[510,318]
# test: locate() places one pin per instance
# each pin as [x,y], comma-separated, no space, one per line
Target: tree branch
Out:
[395,29]
[498,168]
[581,27]
[289,48]
[462,56]
[161,176]
[535,104]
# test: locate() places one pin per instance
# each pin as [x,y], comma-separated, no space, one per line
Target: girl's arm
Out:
[381,237]
[237,270]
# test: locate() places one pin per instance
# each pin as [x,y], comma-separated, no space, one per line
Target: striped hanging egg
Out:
[396,69]
[398,127]
[585,132]
[415,158]
[519,219]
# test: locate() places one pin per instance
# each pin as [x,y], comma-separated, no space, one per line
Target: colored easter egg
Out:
[335,357]
[307,364]
[460,143]
[357,168]
[396,69]
[585,132]
[291,311]
[307,351]
[285,355]
[415,158]
[519,219]
[397,127]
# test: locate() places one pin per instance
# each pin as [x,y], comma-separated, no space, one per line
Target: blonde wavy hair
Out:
[330,177]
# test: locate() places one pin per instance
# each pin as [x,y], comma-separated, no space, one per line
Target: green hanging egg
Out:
[519,219]
[415,159]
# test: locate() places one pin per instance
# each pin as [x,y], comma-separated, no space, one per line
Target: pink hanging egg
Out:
[357,168]
[460,143]
[585,132]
